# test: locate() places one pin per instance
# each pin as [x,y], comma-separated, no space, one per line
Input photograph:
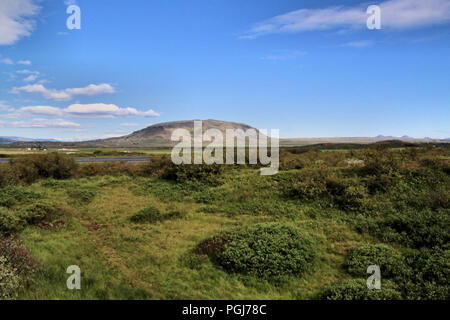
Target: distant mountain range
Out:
[21,139]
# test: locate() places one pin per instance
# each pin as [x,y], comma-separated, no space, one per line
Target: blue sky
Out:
[309,68]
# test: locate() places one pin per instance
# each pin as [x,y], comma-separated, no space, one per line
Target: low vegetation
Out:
[154,230]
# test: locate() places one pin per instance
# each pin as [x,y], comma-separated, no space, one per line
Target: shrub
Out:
[424,228]
[430,265]
[10,222]
[7,176]
[54,165]
[13,221]
[391,263]
[356,289]
[427,291]
[192,172]
[81,195]
[308,185]
[9,280]
[152,215]
[380,183]
[268,251]
[38,211]
[379,162]
[11,196]
[51,165]
[347,193]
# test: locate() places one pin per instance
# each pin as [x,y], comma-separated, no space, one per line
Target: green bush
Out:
[269,251]
[380,183]
[380,162]
[193,172]
[430,265]
[391,263]
[152,215]
[347,193]
[427,291]
[309,184]
[356,289]
[81,195]
[9,280]
[424,228]
[7,176]
[54,165]
[38,211]
[11,196]
[10,221]
[13,221]
[30,168]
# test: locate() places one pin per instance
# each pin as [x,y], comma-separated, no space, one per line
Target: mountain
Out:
[158,135]
[5,140]
[380,136]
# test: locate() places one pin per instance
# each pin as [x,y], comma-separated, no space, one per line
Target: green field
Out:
[135,229]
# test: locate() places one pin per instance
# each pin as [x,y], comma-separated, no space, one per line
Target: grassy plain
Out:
[122,259]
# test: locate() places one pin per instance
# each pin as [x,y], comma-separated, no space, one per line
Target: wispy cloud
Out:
[39,123]
[96,110]
[7,61]
[30,75]
[4,106]
[65,94]
[31,78]
[129,125]
[395,14]
[16,19]
[24,62]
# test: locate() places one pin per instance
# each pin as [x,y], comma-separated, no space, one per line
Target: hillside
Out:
[159,135]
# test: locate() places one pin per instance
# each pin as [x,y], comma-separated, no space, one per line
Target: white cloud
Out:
[7,61]
[4,106]
[101,110]
[30,78]
[395,14]
[24,62]
[92,90]
[96,110]
[42,110]
[26,71]
[16,19]
[65,94]
[32,75]
[39,123]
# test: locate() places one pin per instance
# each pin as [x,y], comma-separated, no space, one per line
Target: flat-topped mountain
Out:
[159,134]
